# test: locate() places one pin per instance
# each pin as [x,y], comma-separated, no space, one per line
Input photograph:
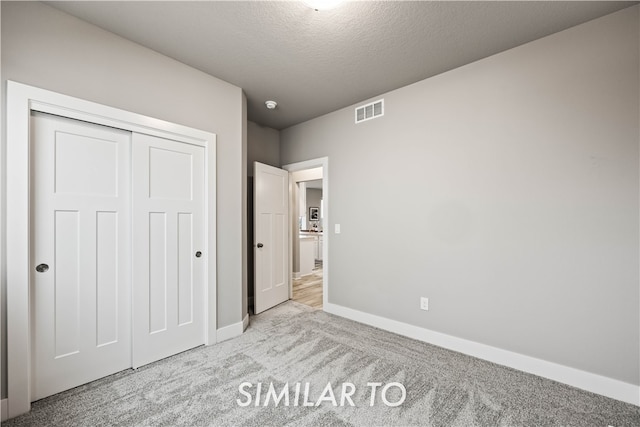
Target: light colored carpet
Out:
[296,344]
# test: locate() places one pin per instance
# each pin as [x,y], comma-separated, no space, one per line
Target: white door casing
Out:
[81,240]
[306,165]
[271,231]
[168,247]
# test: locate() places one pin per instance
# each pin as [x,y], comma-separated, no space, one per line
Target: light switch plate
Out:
[337,228]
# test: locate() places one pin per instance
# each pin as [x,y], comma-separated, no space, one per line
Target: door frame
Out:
[21,101]
[322,162]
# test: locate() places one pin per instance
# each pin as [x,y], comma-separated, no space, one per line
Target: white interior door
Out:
[168,247]
[271,225]
[81,246]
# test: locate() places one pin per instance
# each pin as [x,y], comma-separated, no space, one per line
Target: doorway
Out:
[309,236]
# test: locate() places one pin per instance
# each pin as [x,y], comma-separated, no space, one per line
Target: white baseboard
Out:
[296,274]
[594,383]
[245,322]
[4,411]
[232,331]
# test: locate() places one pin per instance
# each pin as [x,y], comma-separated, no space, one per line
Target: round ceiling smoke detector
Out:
[271,104]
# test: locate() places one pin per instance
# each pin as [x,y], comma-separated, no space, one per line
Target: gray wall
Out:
[46,48]
[506,191]
[263,145]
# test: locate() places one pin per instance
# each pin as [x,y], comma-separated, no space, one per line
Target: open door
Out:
[271,231]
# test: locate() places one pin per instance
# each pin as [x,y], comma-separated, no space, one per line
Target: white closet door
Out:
[168,247]
[81,248]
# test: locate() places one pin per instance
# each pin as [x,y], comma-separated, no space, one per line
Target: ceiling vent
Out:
[370,111]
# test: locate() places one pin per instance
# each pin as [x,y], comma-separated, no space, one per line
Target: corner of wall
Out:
[245,245]
[3,243]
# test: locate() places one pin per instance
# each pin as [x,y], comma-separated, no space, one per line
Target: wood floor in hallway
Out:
[307,290]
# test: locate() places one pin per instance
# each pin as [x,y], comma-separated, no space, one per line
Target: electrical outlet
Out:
[424,303]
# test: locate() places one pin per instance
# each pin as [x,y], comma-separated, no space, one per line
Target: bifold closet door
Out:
[168,247]
[81,277]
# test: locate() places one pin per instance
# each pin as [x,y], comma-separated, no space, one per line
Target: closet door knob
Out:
[42,268]
[260,245]
[198,254]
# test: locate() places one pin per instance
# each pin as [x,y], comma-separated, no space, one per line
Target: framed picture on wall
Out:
[314,214]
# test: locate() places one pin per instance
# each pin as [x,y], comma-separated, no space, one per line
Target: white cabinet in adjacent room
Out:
[319,247]
[307,249]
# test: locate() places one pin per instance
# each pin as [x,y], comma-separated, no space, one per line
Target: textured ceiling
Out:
[312,62]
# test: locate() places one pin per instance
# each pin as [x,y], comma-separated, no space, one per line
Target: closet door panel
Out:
[81,324]
[168,247]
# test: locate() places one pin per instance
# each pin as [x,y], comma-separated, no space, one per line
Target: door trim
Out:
[310,164]
[21,100]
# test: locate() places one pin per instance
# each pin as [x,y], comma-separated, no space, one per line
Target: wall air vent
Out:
[370,111]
